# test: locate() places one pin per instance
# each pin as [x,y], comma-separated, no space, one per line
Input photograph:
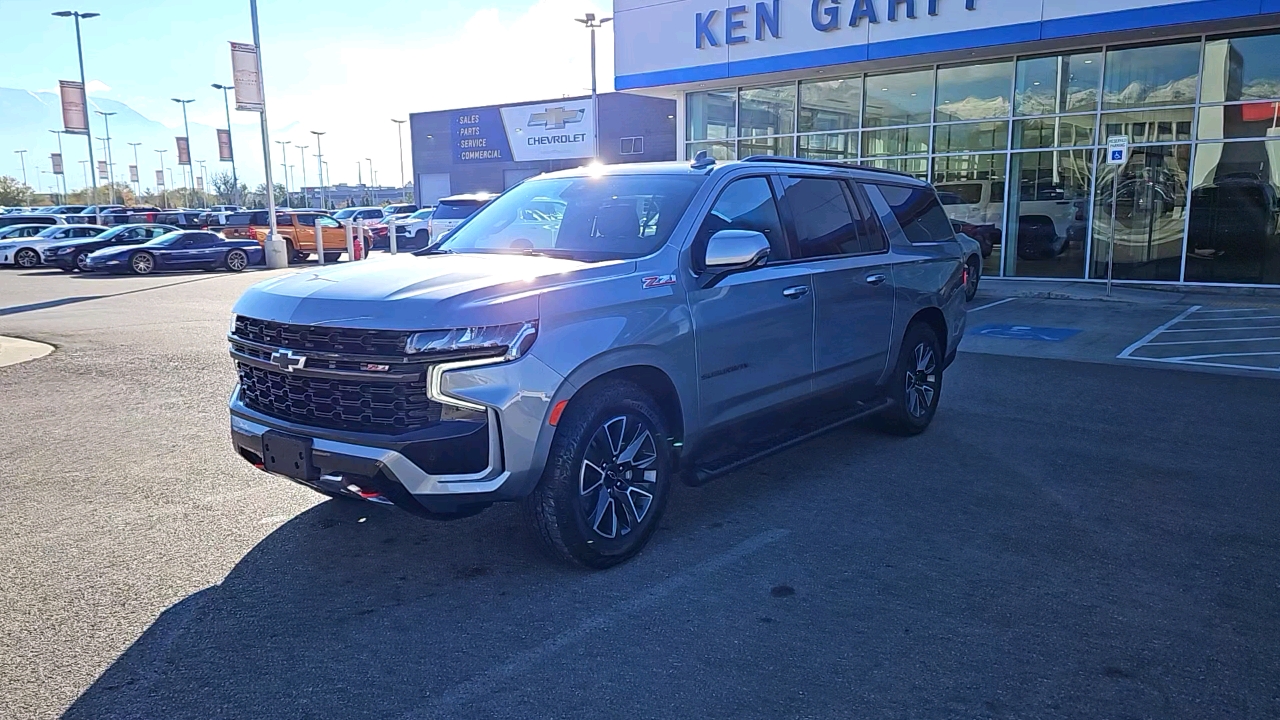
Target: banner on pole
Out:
[224,145]
[184,151]
[200,182]
[133,173]
[248,81]
[75,112]
[159,178]
[56,159]
[102,169]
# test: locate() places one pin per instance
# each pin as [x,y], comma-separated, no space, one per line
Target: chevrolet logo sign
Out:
[287,361]
[556,118]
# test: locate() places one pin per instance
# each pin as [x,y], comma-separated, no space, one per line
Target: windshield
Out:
[344,214]
[421,215]
[167,239]
[583,218]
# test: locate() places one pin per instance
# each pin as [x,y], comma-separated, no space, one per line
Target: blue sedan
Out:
[179,250]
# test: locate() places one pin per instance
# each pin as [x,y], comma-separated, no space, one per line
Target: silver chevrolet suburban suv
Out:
[593,336]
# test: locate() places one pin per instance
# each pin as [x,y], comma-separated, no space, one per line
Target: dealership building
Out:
[1007,106]
[489,149]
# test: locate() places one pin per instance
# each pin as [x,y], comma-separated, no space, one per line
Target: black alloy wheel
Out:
[617,477]
[974,267]
[916,384]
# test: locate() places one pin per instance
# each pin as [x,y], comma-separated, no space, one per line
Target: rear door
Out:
[753,330]
[853,287]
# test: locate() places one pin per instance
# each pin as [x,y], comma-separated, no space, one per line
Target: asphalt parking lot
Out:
[1078,535]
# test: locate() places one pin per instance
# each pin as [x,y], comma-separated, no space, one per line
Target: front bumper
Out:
[451,469]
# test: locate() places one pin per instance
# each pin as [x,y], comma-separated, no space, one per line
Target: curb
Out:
[17,350]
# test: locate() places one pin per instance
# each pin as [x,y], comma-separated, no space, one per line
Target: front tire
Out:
[142,263]
[236,261]
[605,487]
[916,384]
[26,258]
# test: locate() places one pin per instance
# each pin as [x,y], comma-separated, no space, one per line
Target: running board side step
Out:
[698,475]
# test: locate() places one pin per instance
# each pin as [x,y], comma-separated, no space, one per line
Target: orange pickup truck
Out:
[297,227]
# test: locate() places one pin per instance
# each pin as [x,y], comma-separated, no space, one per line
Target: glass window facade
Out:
[1013,145]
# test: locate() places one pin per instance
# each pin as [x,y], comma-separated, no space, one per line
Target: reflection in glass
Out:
[972,190]
[971,136]
[974,92]
[1235,206]
[1146,126]
[896,141]
[1250,120]
[1243,68]
[1049,213]
[767,110]
[1066,131]
[1149,76]
[1066,83]
[711,115]
[899,99]
[766,146]
[1151,199]
[829,146]
[719,150]
[830,104]
[916,167]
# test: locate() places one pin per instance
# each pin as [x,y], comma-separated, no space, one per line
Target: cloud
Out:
[97,86]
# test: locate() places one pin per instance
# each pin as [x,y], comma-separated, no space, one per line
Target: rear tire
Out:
[975,274]
[916,384]
[332,257]
[26,258]
[606,484]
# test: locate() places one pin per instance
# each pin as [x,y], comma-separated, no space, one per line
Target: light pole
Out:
[164,194]
[373,185]
[320,170]
[64,164]
[302,152]
[400,136]
[88,132]
[186,133]
[284,165]
[111,167]
[590,22]
[137,168]
[22,157]
[235,180]
[84,167]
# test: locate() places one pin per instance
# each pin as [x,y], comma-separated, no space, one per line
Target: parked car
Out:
[986,237]
[451,211]
[73,255]
[178,250]
[31,219]
[225,208]
[181,219]
[399,209]
[60,210]
[27,252]
[91,214]
[360,215]
[412,232]
[12,234]
[972,264]
[297,227]
[683,320]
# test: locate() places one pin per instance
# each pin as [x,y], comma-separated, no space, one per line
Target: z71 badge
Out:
[659,280]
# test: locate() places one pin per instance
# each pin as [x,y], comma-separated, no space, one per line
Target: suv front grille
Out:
[346,341]
[353,405]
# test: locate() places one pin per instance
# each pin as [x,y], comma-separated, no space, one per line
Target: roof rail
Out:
[786,160]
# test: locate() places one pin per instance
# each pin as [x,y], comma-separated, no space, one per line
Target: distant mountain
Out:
[26,118]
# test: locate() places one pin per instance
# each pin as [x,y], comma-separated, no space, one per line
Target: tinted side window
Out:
[457,210]
[918,212]
[824,220]
[746,204]
[869,230]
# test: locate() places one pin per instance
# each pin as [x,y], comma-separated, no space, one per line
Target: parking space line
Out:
[1203,342]
[1199,361]
[1127,352]
[1233,329]
[1207,312]
[1237,319]
[991,305]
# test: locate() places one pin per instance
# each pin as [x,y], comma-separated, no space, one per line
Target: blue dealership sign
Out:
[479,136]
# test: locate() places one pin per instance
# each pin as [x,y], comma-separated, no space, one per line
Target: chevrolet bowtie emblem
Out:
[556,118]
[287,361]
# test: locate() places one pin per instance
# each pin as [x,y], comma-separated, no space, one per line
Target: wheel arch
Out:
[654,381]
[20,248]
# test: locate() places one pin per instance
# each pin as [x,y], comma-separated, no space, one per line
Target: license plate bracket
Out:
[288,455]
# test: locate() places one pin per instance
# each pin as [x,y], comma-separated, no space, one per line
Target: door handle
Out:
[876,278]
[797,292]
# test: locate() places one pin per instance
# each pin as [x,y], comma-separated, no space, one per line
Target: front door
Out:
[753,330]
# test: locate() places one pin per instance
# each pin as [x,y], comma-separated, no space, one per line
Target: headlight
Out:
[505,341]
[66,251]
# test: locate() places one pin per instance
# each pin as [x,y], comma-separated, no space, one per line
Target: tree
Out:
[13,192]
[227,191]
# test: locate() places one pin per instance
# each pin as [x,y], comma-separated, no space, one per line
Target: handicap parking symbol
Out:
[1024,332]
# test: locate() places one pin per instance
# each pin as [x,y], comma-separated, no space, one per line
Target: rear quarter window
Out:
[456,210]
[918,212]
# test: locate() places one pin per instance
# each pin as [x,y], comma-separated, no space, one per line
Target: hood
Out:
[114,250]
[409,292]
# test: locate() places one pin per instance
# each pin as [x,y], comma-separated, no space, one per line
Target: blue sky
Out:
[344,67]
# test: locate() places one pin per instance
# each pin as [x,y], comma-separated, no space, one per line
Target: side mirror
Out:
[730,250]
